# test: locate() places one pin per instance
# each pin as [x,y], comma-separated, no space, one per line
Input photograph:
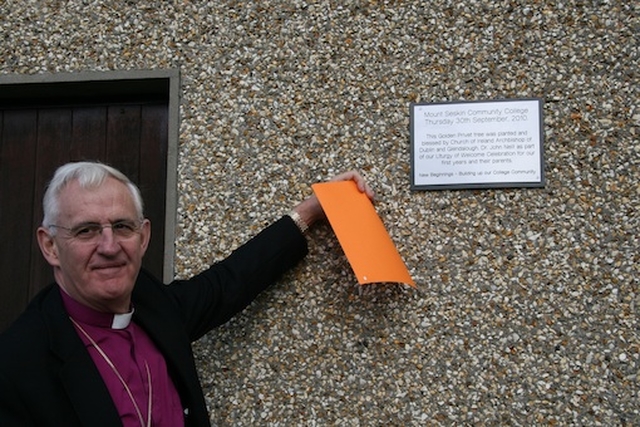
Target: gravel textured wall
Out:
[526,310]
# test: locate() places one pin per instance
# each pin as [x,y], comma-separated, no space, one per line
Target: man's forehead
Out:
[109,197]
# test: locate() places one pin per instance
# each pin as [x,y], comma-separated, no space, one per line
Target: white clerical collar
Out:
[121,321]
[90,316]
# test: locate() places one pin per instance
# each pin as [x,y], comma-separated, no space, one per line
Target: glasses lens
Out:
[86,231]
[91,232]
[124,228]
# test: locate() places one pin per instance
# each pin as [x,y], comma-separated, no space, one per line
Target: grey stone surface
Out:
[526,310]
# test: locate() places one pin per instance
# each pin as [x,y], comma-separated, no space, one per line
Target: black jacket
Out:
[47,377]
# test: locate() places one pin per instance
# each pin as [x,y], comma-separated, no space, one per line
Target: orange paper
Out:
[361,233]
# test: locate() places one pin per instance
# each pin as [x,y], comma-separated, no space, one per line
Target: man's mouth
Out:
[108,267]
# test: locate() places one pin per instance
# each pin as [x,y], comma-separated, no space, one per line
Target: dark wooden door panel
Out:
[123,139]
[152,176]
[52,145]
[17,164]
[89,134]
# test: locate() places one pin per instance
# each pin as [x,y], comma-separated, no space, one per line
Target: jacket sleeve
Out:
[212,297]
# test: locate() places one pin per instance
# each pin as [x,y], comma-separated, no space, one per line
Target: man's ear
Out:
[48,246]
[145,234]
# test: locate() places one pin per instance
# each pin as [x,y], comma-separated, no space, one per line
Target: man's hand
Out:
[360,182]
[310,209]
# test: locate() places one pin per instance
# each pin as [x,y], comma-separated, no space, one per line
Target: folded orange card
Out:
[361,233]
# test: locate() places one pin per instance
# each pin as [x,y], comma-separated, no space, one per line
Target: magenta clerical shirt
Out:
[130,350]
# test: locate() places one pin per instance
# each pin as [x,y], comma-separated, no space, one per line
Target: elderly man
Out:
[108,344]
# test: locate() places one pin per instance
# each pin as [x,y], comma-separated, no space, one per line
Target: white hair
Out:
[88,175]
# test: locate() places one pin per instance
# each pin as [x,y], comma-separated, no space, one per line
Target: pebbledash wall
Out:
[526,307]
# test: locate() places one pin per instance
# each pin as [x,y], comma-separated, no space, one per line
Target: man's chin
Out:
[114,282]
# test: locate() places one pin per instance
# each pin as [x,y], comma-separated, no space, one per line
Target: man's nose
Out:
[107,240]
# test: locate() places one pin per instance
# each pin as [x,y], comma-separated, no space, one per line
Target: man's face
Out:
[100,272]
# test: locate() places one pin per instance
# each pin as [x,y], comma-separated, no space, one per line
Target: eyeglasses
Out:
[91,232]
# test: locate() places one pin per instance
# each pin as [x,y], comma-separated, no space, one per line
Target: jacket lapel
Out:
[80,377]
[164,332]
[159,318]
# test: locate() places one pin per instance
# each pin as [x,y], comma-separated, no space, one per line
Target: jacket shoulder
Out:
[26,337]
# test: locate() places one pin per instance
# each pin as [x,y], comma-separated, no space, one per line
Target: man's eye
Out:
[85,231]
[122,226]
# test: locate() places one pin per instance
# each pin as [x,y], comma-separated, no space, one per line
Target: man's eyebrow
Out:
[85,224]
[124,220]
[90,223]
